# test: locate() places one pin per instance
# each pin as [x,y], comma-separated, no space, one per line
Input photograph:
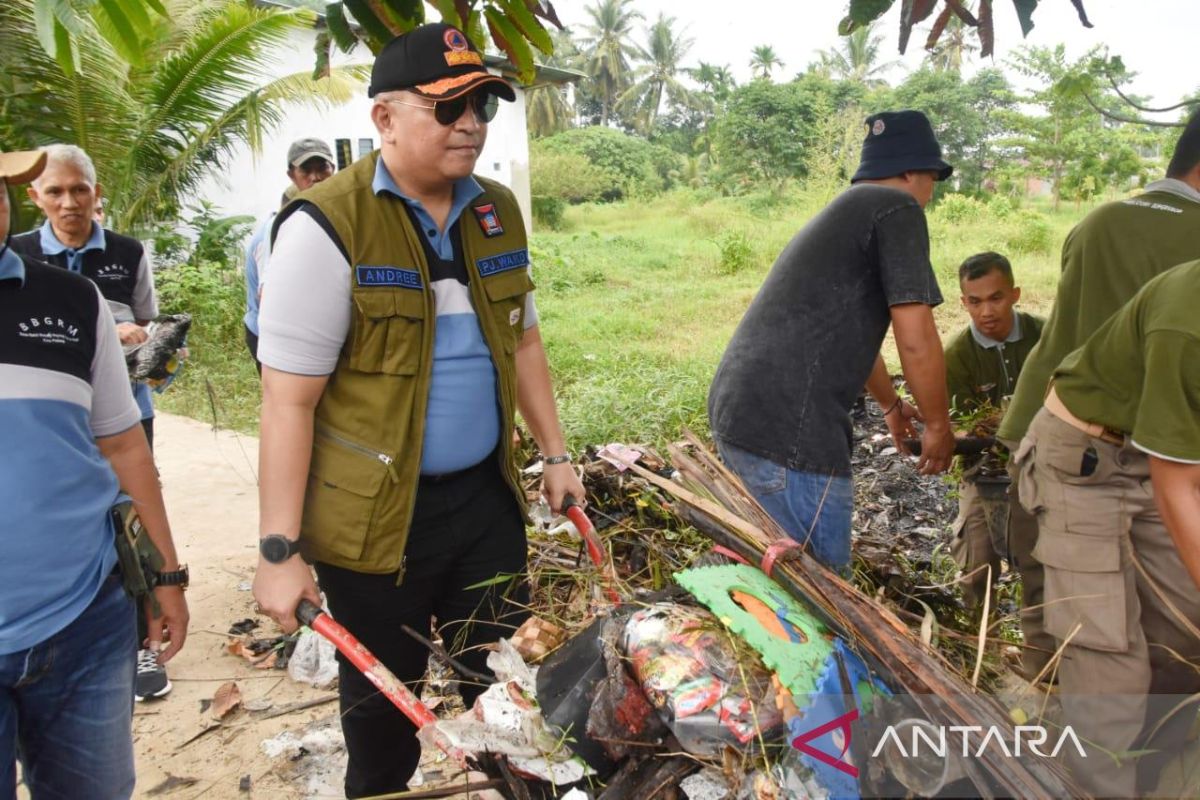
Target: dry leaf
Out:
[267,662]
[227,698]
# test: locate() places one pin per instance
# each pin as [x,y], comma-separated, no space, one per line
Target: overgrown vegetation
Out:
[637,300]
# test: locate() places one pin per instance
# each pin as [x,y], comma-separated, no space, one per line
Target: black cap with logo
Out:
[899,142]
[436,61]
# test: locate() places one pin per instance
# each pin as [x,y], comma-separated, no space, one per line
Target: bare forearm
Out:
[1177,493]
[284,456]
[879,384]
[131,460]
[924,366]
[535,394]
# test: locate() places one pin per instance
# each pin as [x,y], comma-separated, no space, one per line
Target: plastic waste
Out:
[313,661]
[709,694]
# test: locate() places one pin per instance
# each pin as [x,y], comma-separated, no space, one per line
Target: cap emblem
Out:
[878,127]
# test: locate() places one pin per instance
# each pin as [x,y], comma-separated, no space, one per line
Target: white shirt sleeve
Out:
[145,302]
[305,318]
[531,314]
[113,408]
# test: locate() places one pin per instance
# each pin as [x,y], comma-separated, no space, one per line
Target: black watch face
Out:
[275,549]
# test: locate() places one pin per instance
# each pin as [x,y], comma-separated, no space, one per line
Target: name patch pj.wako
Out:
[367,275]
[503,262]
[489,219]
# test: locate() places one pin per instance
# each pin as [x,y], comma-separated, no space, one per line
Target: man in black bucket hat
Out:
[398,339]
[781,398]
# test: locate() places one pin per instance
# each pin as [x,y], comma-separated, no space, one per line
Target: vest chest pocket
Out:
[388,331]
[506,296]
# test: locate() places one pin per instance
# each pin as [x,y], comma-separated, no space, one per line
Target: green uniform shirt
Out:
[982,372]
[1140,373]
[1111,254]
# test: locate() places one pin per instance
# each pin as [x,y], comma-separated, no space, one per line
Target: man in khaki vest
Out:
[1111,468]
[386,454]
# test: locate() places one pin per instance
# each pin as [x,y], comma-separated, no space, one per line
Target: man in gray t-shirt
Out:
[780,401]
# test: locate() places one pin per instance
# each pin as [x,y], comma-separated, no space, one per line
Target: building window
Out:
[365,146]
[345,156]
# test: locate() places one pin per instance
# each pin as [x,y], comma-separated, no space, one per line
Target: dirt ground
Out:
[209,480]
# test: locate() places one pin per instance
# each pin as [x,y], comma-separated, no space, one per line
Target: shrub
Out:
[959,208]
[628,165]
[1032,233]
[737,252]
[1001,206]
[568,177]
[549,211]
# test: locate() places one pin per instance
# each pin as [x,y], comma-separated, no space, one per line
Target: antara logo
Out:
[991,738]
[48,325]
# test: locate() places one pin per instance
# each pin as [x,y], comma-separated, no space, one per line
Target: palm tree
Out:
[657,76]
[717,82]
[156,130]
[763,60]
[548,108]
[608,50]
[953,48]
[857,60]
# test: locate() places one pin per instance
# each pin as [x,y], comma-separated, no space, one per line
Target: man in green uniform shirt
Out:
[1111,468]
[1108,256]
[982,365]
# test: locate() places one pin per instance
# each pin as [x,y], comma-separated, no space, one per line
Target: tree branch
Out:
[1119,118]
[1120,94]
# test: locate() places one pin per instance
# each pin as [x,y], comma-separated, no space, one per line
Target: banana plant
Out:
[864,12]
[516,27]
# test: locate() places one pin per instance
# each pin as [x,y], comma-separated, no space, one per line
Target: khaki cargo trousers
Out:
[992,525]
[1112,576]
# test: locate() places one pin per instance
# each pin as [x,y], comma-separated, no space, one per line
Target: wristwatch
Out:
[276,548]
[178,577]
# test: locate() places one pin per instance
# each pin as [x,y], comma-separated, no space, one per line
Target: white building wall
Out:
[253,184]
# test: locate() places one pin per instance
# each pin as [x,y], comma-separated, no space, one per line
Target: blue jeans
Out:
[66,706]
[813,508]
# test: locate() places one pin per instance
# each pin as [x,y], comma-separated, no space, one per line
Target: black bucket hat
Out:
[436,61]
[899,142]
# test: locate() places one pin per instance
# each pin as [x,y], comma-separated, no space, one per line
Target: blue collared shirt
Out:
[465,190]
[11,266]
[51,246]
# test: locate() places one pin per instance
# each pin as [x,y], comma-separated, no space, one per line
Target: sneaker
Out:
[151,679]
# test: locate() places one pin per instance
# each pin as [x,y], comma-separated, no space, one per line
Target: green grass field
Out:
[638,299]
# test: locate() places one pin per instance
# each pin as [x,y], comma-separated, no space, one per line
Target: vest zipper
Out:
[383,458]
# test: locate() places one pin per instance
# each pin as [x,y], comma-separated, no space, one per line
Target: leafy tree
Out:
[608,49]
[658,76]
[857,60]
[1072,143]
[157,130]
[970,117]
[763,61]
[767,129]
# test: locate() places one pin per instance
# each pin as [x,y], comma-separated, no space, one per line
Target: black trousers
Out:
[466,531]
[252,346]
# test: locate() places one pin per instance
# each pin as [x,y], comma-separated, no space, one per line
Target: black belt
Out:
[447,477]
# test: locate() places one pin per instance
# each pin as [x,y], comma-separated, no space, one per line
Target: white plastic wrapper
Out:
[313,661]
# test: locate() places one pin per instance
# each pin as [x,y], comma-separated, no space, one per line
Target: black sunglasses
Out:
[447,112]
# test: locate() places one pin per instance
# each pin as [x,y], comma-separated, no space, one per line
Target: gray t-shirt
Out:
[804,350]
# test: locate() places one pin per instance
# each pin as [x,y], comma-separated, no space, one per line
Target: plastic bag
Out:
[313,661]
[708,694]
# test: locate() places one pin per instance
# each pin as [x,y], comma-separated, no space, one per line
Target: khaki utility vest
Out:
[370,421]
